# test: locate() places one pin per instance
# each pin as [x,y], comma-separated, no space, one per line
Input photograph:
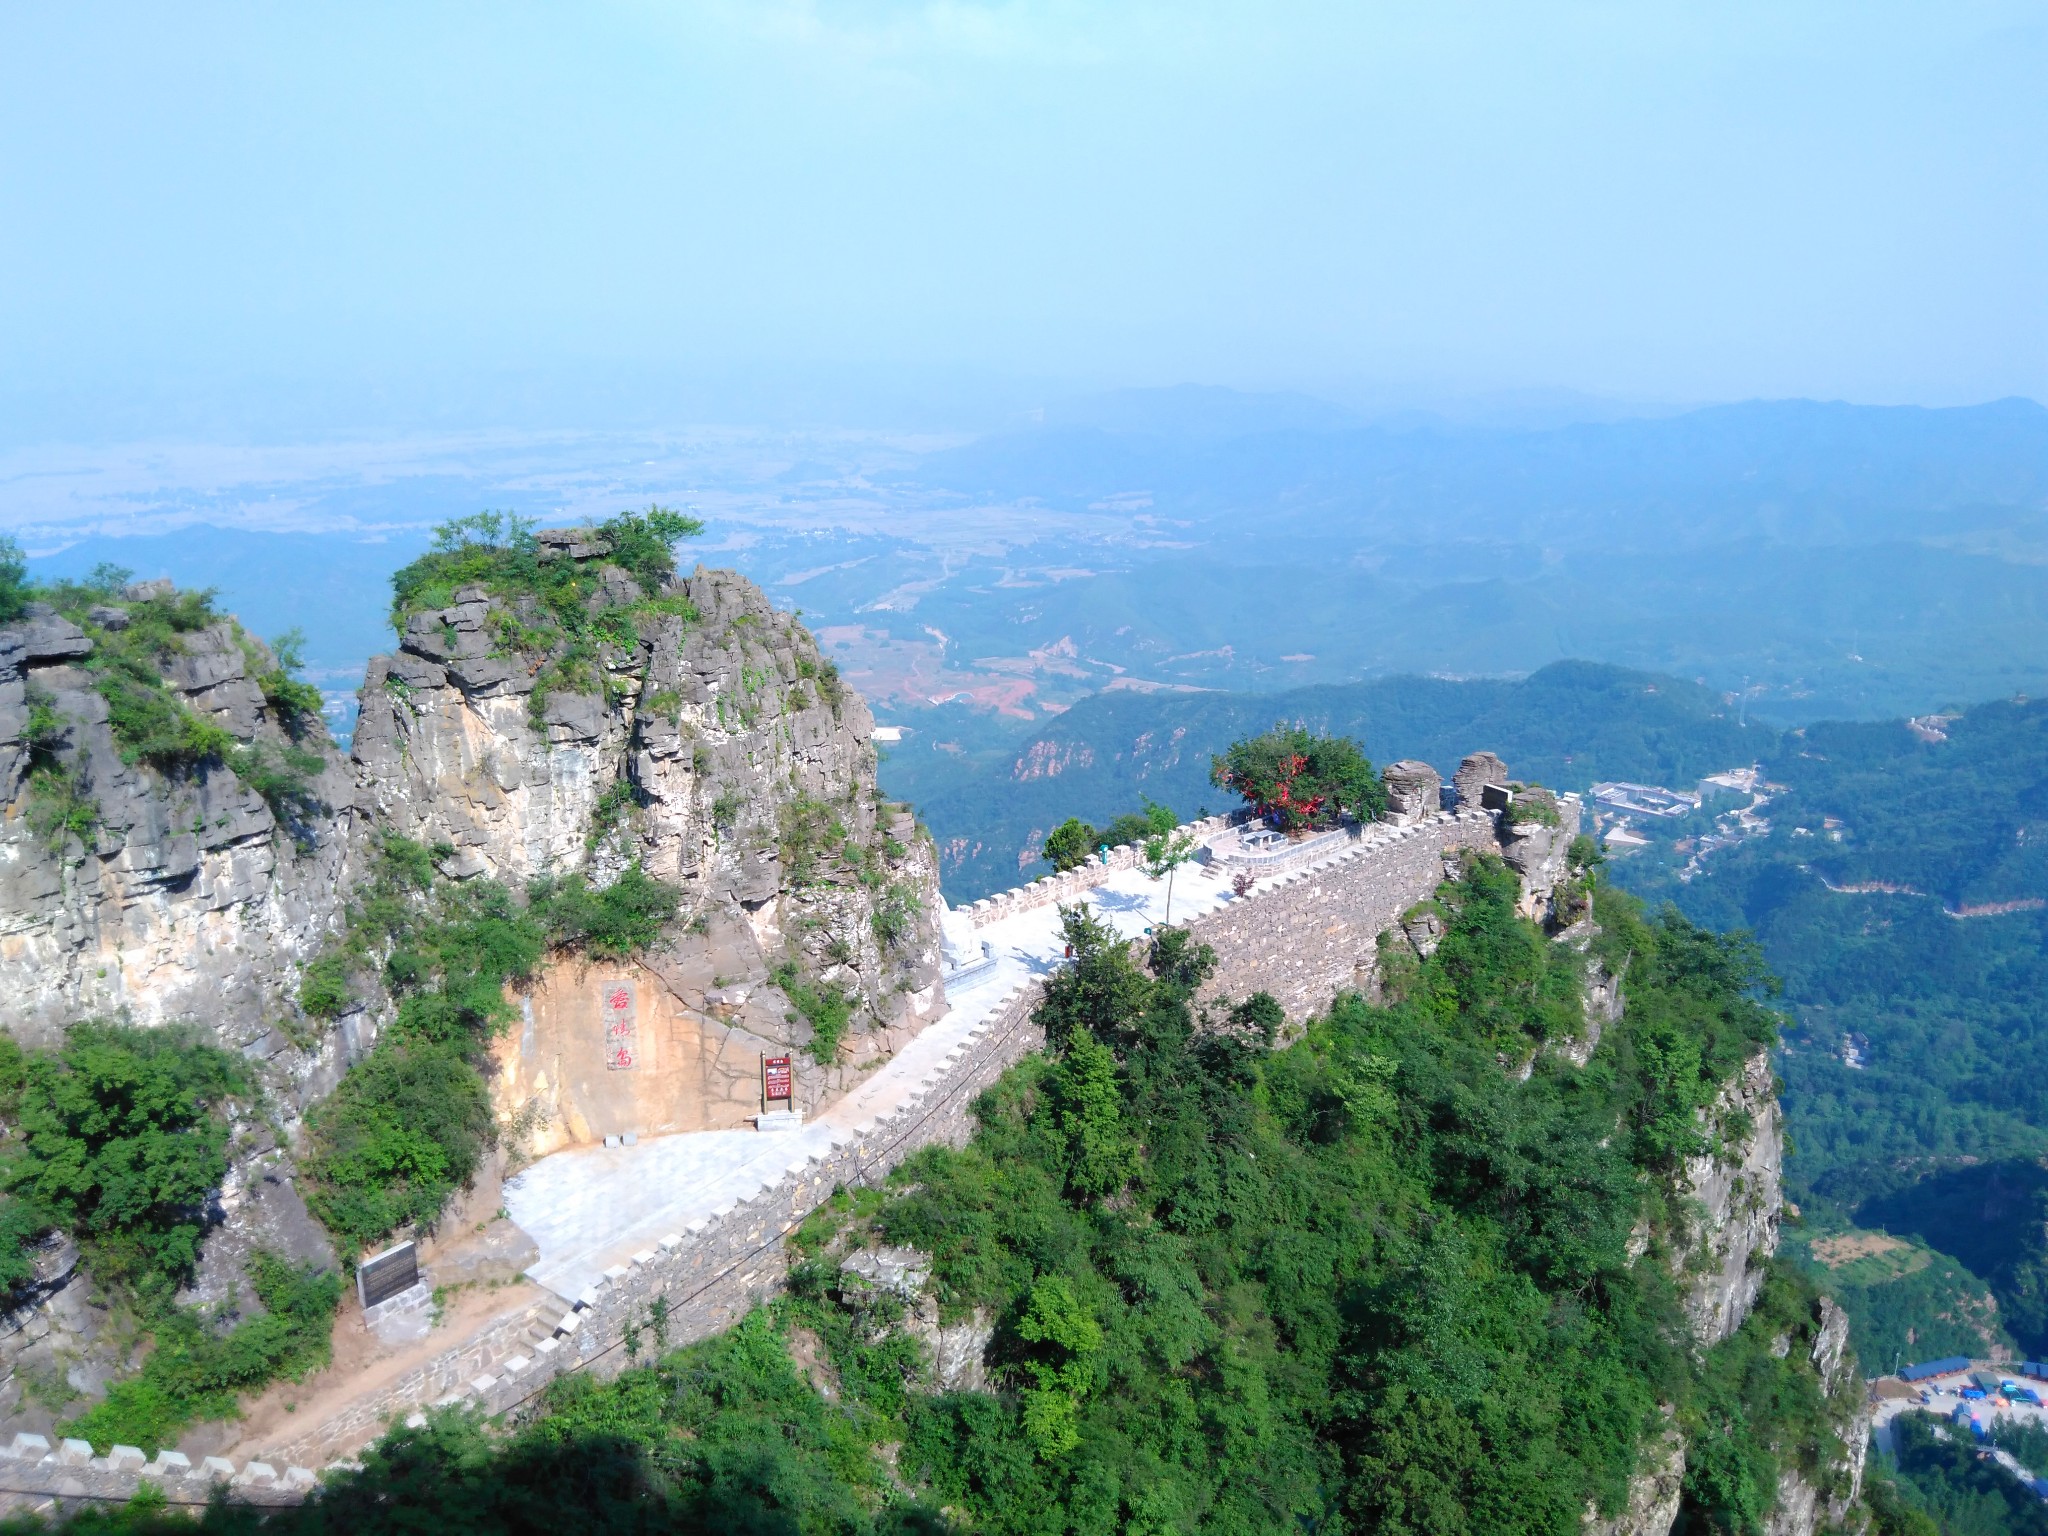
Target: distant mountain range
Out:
[1828,560]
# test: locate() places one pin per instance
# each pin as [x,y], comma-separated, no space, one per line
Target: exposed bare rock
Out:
[1476,772]
[1805,1507]
[1738,1200]
[186,900]
[1653,1493]
[722,754]
[958,1351]
[1414,791]
[1602,1004]
[1424,927]
[1536,833]
[899,1271]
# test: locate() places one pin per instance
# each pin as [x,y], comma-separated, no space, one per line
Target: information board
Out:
[775,1078]
[383,1277]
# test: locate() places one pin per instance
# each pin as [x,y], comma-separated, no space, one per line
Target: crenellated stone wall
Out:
[1071,885]
[1313,933]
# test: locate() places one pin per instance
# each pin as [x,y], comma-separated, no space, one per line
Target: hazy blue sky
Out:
[1684,202]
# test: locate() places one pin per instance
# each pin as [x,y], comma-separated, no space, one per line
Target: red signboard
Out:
[775,1078]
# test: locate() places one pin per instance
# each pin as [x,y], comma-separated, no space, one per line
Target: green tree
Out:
[1299,780]
[1061,1367]
[1102,987]
[124,1141]
[1069,845]
[14,584]
[1088,1108]
[1165,849]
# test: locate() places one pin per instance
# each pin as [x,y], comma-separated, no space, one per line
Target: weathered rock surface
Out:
[1805,1505]
[1738,1202]
[187,900]
[1477,771]
[1535,841]
[1654,1492]
[1414,791]
[722,754]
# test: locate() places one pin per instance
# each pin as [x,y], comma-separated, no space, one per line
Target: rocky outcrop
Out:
[719,751]
[1474,774]
[1414,791]
[1654,1492]
[1536,833]
[1732,1202]
[1826,1500]
[184,899]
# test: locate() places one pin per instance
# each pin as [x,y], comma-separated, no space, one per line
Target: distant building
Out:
[1624,798]
[1941,1367]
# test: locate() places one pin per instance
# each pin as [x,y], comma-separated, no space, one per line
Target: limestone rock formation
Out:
[1536,832]
[1414,791]
[1654,1492]
[1476,772]
[717,749]
[1805,1507]
[1738,1204]
[185,899]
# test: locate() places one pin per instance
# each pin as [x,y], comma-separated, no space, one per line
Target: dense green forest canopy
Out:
[1370,1280]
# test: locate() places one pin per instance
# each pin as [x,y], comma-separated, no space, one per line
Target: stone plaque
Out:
[621,1026]
[383,1277]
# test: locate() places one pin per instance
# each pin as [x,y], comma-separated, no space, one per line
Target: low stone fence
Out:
[1283,856]
[1069,886]
[32,1473]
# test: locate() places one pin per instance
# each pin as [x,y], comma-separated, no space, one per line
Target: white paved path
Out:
[591,1208]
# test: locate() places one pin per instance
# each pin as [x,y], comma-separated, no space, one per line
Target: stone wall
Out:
[1311,934]
[32,1472]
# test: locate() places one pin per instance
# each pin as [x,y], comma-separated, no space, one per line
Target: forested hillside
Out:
[1900,895]
[1891,894]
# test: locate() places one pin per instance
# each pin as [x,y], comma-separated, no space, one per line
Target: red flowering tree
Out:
[1300,781]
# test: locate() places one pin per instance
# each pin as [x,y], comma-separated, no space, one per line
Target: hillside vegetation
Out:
[1938,1134]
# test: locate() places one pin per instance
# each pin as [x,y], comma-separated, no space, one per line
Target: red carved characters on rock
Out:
[621,1026]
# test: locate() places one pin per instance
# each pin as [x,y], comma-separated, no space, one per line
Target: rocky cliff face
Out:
[718,750]
[1736,1199]
[161,895]
[1828,1500]
[183,899]
[1732,1203]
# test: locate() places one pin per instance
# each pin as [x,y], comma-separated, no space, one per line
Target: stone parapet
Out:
[1071,885]
[31,1471]
[1312,933]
